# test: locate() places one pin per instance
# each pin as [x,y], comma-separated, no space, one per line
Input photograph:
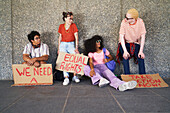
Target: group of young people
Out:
[131,43]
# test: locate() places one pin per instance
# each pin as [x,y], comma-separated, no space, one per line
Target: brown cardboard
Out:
[146,80]
[24,75]
[73,63]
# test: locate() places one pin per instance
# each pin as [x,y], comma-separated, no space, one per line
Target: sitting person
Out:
[131,41]
[35,53]
[97,71]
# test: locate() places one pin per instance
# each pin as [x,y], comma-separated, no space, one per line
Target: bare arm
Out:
[125,54]
[42,58]
[141,54]
[59,41]
[92,72]
[77,41]
[110,58]
[31,61]
[26,57]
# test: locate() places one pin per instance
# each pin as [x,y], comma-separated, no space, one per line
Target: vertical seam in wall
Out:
[121,10]
[12,33]
[66,5]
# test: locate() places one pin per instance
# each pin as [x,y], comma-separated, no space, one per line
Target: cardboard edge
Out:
[166,85]
[31,84]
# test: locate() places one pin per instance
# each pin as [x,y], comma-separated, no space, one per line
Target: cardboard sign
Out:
[73,63]
[29,75]
[146,80]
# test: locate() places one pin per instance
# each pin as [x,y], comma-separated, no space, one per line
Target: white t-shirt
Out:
[36,52]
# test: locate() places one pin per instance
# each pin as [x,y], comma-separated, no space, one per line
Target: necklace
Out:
[67,31]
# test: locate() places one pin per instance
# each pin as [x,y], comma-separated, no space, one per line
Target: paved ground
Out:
[82,98]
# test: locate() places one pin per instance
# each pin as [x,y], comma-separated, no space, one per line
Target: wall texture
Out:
[102,17]
[5,40]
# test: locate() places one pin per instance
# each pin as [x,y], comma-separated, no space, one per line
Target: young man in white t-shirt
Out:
[35,53]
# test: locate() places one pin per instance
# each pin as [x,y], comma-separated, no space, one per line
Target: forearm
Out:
[91,64]
[110,57]
[26,57]
[123,42]
[142,43]
[42,58]
[59,41]
[77,40]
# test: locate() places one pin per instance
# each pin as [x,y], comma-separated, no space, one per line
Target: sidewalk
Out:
[82,98]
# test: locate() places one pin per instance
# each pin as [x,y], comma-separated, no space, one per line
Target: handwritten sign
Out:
[146,80]
[73,63]
[29,75]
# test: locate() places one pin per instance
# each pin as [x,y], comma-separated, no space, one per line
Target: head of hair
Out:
[66,14]
[32,34]
[90,44]
[134,13]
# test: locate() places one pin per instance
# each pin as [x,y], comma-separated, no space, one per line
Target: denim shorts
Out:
[67,47]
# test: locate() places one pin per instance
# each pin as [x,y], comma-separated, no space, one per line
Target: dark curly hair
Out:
[32,34]
[65,14]
[90,44]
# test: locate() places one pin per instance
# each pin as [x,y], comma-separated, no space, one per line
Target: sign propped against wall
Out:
[73,63]
[24,75]
[146,80]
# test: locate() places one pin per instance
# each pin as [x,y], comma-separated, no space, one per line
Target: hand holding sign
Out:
[73,63]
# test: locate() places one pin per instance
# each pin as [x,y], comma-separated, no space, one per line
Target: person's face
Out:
[69,19]
[36,40]
[129,18]
[98,43]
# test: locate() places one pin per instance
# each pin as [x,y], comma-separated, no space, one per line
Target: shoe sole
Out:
[103,85]
[128,85]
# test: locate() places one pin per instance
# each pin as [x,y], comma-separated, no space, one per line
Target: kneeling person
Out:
[35,53]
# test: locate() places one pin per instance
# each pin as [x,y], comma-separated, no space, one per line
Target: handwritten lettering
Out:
[146,81]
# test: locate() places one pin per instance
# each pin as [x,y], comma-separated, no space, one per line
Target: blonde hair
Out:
[134,13]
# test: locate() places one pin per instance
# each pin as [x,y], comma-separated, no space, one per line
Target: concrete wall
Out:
[102,17]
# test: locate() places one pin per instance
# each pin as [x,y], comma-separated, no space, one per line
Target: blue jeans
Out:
[141,63]
[67,47]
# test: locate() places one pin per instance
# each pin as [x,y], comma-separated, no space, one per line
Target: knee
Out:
[37,64]
[24,63]
[42,62]
[86,70]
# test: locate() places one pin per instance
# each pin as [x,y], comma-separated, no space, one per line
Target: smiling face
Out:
[36,40]
[69,19]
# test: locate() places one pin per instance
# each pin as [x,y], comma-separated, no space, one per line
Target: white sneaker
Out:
[75,78]
[66,81]
[127,85]
[103,82]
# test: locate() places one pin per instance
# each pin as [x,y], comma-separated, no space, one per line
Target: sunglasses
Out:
[71,19]
[128,18]
[36,38]
[98,41]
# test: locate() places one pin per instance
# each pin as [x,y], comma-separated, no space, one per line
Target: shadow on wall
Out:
[49,39]
[79,20]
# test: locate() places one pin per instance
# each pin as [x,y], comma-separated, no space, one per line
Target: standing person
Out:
[131,41]
[35,53]
[68,39]
[97,71]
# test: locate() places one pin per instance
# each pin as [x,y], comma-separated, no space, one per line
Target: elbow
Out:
[46,58]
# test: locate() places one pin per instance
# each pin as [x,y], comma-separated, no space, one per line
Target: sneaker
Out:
[127,85]
[103,82]
[75,78]
[66,81]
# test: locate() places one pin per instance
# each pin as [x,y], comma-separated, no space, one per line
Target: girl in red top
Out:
[68,39]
